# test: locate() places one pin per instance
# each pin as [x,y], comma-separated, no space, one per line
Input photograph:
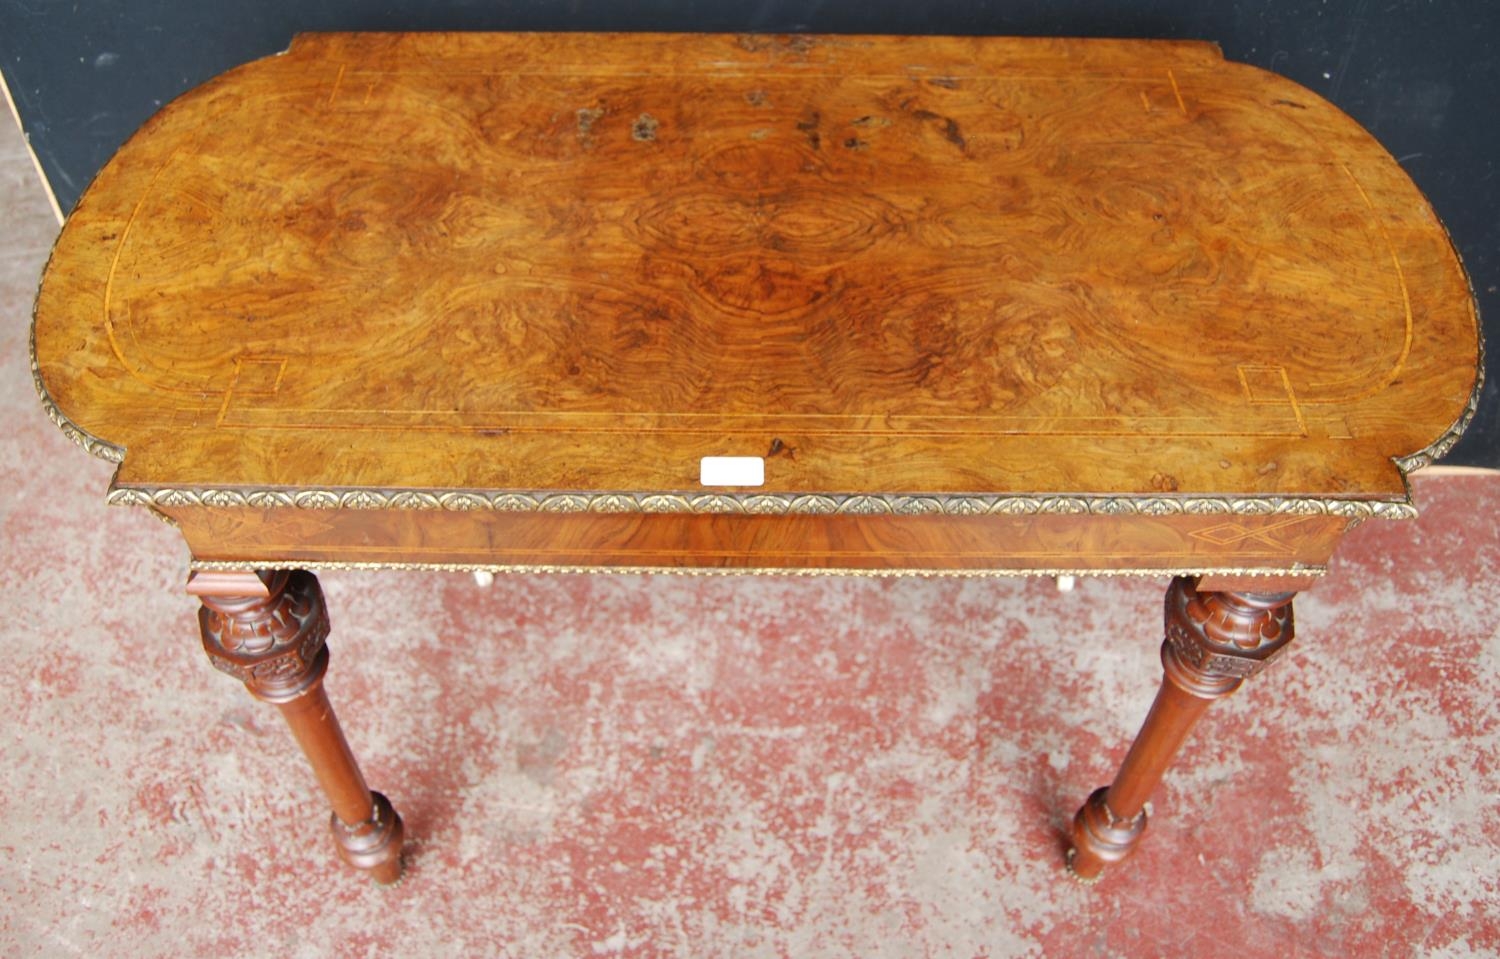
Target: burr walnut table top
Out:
[546,275]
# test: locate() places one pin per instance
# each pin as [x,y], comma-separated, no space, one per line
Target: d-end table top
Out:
[409,265]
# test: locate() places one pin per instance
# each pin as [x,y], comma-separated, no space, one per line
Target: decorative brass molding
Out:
[1439,448]
[857,504]
[208,565]
[93,444]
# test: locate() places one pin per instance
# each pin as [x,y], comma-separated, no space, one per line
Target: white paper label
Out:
[732,471]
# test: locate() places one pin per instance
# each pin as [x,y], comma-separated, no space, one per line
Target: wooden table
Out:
[868,305]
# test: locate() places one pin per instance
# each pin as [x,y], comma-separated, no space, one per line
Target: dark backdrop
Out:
[1422,75]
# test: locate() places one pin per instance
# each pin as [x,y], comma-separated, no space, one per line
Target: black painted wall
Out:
[1422,75]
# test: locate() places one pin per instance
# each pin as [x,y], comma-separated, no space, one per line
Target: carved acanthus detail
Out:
[1216,640]
[274,643]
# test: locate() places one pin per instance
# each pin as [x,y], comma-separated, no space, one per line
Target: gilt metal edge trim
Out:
[1439,447]
[852,504]
[205,565]
[91,443]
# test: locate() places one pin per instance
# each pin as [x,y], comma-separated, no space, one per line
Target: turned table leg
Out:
[1214,641]
[269,630]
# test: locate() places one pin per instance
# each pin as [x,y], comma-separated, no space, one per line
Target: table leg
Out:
[1214,642]
[269,630]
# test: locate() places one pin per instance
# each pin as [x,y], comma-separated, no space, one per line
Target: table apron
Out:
[1285,544]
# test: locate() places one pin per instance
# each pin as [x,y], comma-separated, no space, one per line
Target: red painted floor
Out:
[673,766]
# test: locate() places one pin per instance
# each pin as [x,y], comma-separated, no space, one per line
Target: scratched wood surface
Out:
[544,263]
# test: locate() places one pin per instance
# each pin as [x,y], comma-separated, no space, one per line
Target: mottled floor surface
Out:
[644,766]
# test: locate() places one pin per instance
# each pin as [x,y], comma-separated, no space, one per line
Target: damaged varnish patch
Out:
[644,128]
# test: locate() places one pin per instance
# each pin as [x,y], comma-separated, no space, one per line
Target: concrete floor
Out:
[644,766]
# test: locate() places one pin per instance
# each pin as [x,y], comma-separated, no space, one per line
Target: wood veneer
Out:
[980,306]
[910,265]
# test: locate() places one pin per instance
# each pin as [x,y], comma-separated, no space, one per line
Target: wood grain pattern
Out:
[891,266]
[287,538]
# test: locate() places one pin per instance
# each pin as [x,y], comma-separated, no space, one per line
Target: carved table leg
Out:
[269,630]
[1214,641]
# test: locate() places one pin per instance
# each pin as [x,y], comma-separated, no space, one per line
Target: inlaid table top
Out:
[422,274]
[825,304]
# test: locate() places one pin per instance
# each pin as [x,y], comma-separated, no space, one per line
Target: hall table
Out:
[754,304]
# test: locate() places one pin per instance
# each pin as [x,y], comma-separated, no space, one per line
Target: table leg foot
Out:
[373,845]
[1214,642]
[269,630]
[1100,838]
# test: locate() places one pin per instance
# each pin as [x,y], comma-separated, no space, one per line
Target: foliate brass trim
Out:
[1439,448]
[860,504]
[93,444]
[208,565]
